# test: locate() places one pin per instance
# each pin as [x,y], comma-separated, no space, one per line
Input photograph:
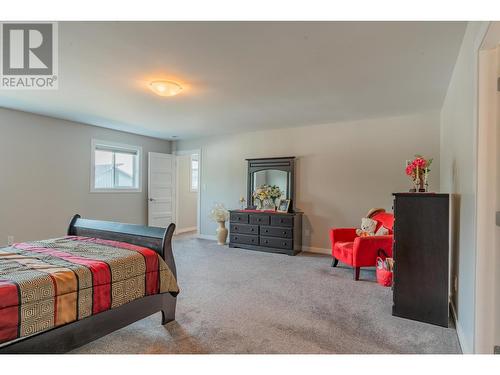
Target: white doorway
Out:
[188,178]
[161,189]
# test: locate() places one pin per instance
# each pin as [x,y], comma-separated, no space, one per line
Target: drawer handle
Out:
[284,232]
[235,238]
[266,241]
[251,230]
[284,243]
[235,228]
[267,230]
[281,220]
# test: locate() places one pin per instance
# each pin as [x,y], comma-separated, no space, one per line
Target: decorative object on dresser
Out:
[421,257]
[220,214]
[266,231]
[362,251]
[418,170]
[283,206]
[267,197]
[270,231]
[242,201]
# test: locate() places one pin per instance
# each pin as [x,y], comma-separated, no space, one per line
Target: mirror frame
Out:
[286,164]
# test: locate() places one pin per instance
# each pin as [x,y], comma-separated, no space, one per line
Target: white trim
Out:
[191,190]
[460,332]
[176,218]
[138,165]
[478,41]
[486,197]
[184,230]
[317,250]
[200,171]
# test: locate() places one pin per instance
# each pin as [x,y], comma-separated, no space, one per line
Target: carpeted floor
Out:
[241,301]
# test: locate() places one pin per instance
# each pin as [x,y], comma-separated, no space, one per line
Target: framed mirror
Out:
[271,171]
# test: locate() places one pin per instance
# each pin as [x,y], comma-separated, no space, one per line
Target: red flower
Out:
[409,169]
[420,163]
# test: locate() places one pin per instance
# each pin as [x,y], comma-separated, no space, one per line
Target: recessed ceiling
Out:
[244,76]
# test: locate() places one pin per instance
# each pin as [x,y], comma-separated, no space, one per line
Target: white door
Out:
[161,189]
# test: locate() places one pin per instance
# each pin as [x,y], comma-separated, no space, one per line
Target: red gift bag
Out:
[384,269]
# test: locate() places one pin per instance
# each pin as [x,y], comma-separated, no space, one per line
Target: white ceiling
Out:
[242,76]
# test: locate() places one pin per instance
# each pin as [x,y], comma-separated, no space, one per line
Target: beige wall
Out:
[45,171]
[343,169]
[187,201]
[459,176]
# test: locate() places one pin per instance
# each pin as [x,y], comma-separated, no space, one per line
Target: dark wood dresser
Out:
[421,255]
[266,231]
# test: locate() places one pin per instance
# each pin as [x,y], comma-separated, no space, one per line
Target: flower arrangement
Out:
[418,170]
[219,213]
[266,196]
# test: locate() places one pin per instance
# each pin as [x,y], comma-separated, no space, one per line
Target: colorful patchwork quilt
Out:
[49,283]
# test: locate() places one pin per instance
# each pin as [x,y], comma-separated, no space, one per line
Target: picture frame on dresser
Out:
[284,206]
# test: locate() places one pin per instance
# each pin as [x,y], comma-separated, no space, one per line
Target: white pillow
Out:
[382,231]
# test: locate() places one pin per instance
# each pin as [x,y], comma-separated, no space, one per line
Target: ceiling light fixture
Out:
[165,88]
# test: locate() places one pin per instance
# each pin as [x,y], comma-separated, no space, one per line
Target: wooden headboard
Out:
[158,239]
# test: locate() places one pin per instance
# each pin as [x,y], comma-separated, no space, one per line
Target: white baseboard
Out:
[460,333]
[317,250]
[184,230]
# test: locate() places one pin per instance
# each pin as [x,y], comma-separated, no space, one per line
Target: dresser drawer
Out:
[281,243]
[276,231]
[244,228]
[238,217]
[244,239]
[282,221]
[259,219]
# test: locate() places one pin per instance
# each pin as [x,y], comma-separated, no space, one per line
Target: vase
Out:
[221,233]
[268,204]
[420,185]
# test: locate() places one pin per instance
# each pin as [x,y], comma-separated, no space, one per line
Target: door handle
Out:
[151,199]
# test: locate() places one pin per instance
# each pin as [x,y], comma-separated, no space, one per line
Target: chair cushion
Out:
[343,251]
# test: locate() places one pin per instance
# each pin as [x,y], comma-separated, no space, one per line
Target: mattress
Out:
[46,284]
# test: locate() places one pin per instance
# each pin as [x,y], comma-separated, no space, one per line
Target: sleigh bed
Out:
[68,302]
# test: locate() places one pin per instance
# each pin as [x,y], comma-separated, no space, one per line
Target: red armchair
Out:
[361,251]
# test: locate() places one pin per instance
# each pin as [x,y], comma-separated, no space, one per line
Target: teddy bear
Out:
[368,227]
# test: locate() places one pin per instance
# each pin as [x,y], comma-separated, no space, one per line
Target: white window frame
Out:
[116,146]
[191,173]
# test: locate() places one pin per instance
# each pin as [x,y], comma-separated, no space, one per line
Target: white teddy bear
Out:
[368,227]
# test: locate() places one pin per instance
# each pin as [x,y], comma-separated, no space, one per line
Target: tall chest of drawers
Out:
[266,231]
[422,257]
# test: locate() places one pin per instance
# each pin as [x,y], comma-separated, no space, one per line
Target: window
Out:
[115,167]
[195,168]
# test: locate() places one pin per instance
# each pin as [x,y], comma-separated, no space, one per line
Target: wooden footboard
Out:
[157,239]
[70,336]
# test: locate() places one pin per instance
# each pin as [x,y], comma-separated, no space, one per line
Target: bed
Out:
[59,294]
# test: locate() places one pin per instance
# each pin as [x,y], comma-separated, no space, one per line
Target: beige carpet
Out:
[240,301]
